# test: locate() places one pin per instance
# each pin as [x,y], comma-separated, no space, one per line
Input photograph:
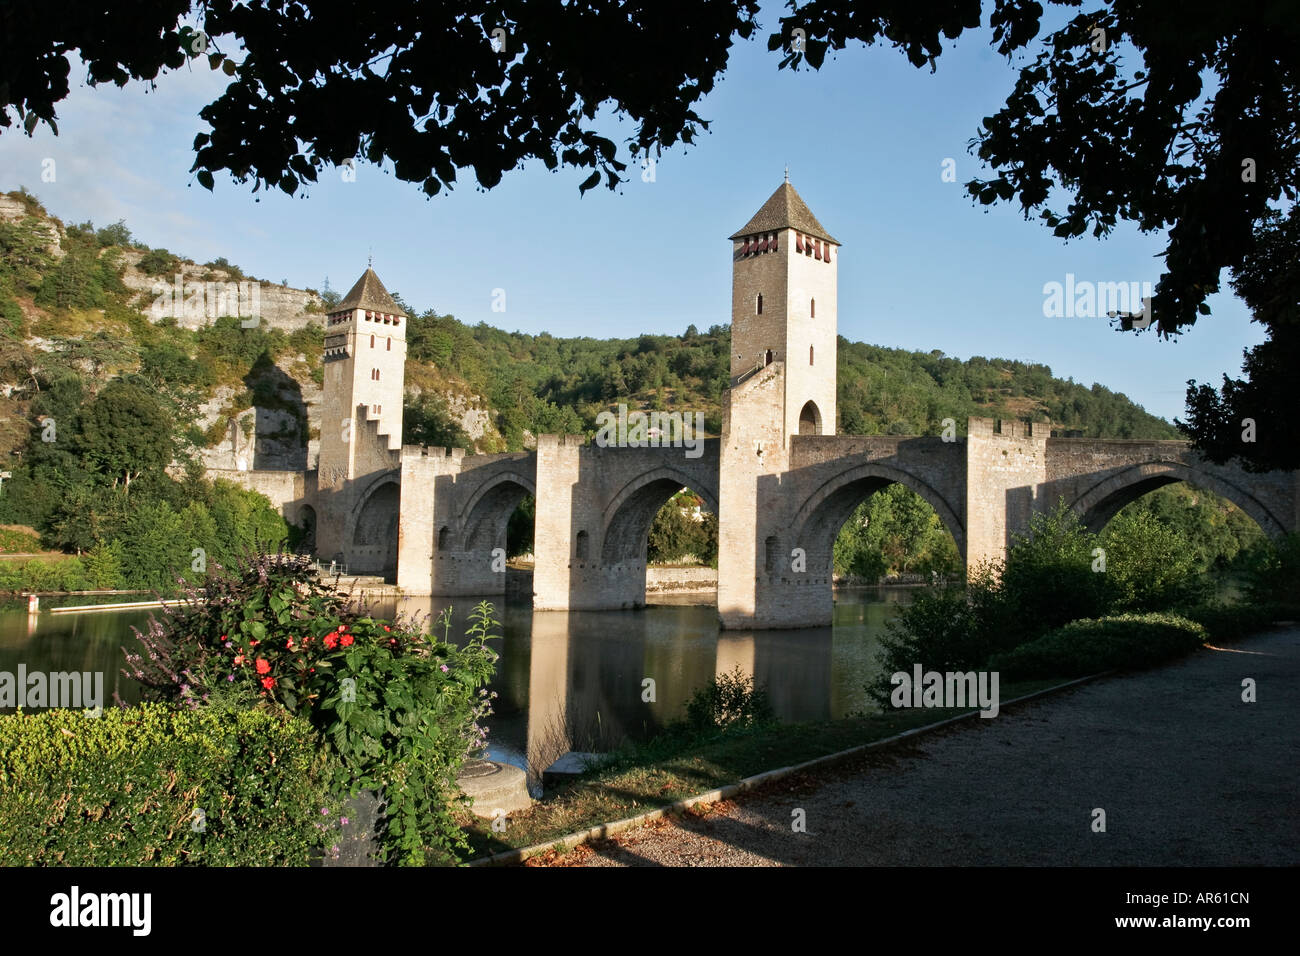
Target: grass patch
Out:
[676,765]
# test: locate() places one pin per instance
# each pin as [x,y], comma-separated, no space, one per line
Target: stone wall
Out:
[680,579]
[1006,464]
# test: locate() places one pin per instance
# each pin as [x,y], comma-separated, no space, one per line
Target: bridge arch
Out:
[488,511]
[1096,506]
[374,530]
[821,516]
[626,520]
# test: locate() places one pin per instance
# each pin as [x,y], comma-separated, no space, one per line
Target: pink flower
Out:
[445,668]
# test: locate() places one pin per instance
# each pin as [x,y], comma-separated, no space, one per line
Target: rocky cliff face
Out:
[281,430]
[198,295]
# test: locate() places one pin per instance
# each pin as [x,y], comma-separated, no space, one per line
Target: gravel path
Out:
[1187,773]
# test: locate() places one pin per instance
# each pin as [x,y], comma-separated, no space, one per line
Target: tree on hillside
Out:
[125,431]
[1179,119]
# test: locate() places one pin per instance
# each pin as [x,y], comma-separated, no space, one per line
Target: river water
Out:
[579,680]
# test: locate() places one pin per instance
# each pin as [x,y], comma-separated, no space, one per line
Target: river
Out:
[566,680]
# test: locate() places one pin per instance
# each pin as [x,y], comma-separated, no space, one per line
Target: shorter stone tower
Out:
[365,360]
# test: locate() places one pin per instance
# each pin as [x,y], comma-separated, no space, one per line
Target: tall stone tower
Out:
[365,360]
[783,354]
[783,308]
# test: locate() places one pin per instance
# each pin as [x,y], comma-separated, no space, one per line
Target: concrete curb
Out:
[606,830]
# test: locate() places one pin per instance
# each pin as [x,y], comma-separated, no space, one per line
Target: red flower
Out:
[331,640]
[268,682]
[263,667]
[346,640]
[239,659]
[387,628]
[342,628]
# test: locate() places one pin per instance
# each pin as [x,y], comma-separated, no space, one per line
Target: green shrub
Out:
[729,701]
[1149,565]
[1048,577]
[157,262]
[124,789]
[103,565]
[947,629]
[1108,643]
[398,708]
[1231,622]
[1272,570]
[67,574]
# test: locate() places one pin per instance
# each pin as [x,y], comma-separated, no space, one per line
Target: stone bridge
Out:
[779,510]
[595,507]
[781,482]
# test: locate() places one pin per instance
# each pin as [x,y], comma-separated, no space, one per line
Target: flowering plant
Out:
[401,709]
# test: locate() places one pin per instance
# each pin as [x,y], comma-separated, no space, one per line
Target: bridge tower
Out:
[783,355]
[783,308]
[361,406]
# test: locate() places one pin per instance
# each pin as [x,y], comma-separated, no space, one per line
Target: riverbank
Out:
[671,770]
[661,772]
[1184,772]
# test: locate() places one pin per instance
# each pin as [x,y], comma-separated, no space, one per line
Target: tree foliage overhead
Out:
[1178,118]
[421,83]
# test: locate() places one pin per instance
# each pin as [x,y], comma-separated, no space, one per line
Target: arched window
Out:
[810,355]
[769,562]
[812,308]
[372,341]
[767,359]
[582,546]
[444,535]
[390,345]
[760,304]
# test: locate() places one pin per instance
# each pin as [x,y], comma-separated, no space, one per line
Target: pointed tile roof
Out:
[369,293]
[785,210]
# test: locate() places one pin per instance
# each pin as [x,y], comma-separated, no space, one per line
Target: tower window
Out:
[760,304]
[390,345]
[810,355]
[372,341]
[812,308]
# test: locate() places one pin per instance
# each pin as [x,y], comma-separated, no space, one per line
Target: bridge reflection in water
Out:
[577,680]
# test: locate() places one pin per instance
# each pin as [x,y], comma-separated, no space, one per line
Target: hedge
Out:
[1101,644]
[126,788]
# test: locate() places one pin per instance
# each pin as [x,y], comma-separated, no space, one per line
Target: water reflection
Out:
[582,680]
[566,680]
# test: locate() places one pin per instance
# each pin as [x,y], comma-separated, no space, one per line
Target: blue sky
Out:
[865,138]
